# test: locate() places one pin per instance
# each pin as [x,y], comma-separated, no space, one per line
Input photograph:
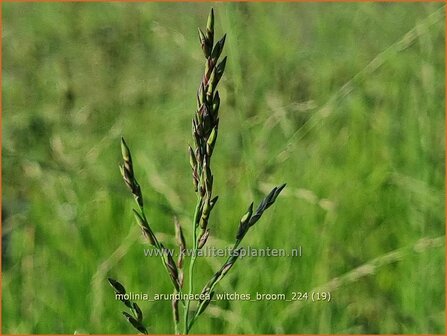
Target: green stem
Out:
[158,247]
[177,330]
[196,315]
[191,289]
[192,263]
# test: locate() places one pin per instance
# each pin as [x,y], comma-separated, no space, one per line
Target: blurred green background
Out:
[344,102]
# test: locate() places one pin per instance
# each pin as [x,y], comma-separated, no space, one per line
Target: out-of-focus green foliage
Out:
[344,102]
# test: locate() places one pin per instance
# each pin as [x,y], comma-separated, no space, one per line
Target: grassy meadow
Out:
[343,102]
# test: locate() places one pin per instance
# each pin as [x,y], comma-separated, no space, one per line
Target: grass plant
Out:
[205,124]
[343,101]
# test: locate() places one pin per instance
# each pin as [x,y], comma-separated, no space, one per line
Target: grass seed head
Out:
[137,311]
[210,28]
[266,203]
[127,172]
[244,223]
[144,225]
[217,50]
[180,239]
[205,304]
[119,289]
[175,310]
[203,238]
[137,325]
